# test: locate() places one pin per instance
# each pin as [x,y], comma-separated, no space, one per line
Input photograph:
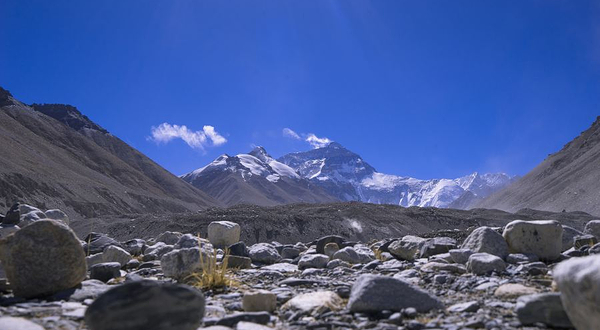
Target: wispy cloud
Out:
[316,141]
[310,138]
[288,132]
[208,136]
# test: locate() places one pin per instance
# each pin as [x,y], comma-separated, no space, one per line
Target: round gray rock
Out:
[375,293]
[485,263]
[43,258]
[313,261]
[147,305]
[264,253]
[485,239]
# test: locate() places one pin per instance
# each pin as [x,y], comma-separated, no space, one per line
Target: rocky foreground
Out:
[526,275]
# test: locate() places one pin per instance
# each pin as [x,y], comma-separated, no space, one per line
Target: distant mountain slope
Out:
[254,178]
[345,175]
[567,180]
[55,157]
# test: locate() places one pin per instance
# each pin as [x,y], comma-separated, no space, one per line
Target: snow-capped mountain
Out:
[254,178]
[346,176]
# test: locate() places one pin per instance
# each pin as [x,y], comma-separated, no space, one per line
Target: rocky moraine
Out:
[525,275]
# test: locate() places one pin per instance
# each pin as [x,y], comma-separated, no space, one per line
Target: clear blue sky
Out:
[420,88]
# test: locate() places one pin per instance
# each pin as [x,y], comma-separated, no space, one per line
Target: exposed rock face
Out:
[485,239]
[147,305]
[43,258]
[372,293]
[578,280]
[542,238]
[223,233]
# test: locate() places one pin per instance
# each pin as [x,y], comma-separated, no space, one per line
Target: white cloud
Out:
[316,141]
[166,132]
[287,132]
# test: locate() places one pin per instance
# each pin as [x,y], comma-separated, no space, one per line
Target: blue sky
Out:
[420,88]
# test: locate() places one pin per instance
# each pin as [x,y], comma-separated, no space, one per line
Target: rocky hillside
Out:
[567,180]
[55,157]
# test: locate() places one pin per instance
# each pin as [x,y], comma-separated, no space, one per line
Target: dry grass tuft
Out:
[213,275]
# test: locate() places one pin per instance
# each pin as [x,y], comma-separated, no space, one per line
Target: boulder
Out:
[516,258]
[313,261]
[485,263]
[58,215]
[315,302]
[578,280]
[105,271]
[514,290]
[542,238]
[593,228]
[147,305]
[569,233]
[487,240]
[189,241]
[460,256]
[6,230]
[238,262]
[169,237]
[179,264]
[17,323]
[13,216]
[407,247]
[96,243]
[116,254]
[543,308]
[321,242]
[375,293]
[259,301]
[264,253]
[437,245]
[134,246]
[223,233]
[42,258]
[239,249]
[290,253]
[349,255]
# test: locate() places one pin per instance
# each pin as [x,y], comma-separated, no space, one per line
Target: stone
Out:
[349,255]
[31,217]
[238,262]
[466,307]
[223,233]
[434,267]
[321,242]
[533,268]
[58,215]
[105,271]
[460,256]
[90,289]
[337,263]
[149,305]
[375,293]
[545,308]
[264,253]
[569,233]
[116,254]
[94,259]
[25,208]
[437,245]
[42,258]
[516,258]
[585,240]
[330,249]
[239,249]
[578,280]
[96,243]
[13,216]
[169,237]
[259,301]
[593,228]
[282,268]
[187,241]
[18,323]
[485,263]
[290,253]
[157,251]
[542,238]
[485,239]
[313,261]
[315,302]
[179,264]
[251,326]
[407,247]
[6,230]
[514,290]
[594,249]
[254,317]
[135,246]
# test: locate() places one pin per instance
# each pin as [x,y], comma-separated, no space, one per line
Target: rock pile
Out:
[497,278]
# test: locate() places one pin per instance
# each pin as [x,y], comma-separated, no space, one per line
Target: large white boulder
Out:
[542,238]
[578,280]
[223,233]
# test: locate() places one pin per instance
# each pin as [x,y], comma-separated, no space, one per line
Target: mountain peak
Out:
[68,115]
[334,145]
[260,153]
[6,98]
